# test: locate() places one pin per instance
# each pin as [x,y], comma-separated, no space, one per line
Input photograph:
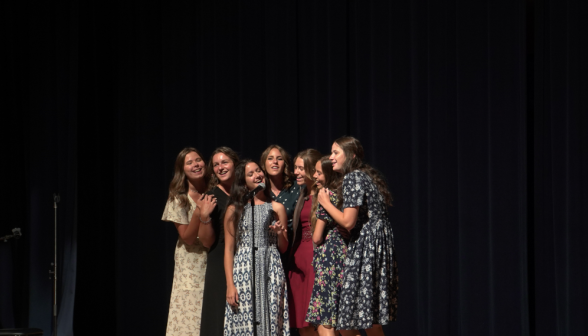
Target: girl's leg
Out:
[307,331]
[326,330]
[375,330]
[349,332]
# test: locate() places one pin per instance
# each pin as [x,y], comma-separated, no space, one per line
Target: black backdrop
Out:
[476,112]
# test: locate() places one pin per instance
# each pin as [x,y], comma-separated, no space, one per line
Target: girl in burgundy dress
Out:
[300,270]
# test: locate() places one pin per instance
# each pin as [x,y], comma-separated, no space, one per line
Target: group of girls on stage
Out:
[324,248]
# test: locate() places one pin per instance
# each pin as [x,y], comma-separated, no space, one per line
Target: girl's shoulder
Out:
[294,188]
[174,212]
[230,209]
[277,206]
[355,175]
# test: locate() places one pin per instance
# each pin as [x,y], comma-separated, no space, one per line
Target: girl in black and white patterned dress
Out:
[370,279]
[269,229]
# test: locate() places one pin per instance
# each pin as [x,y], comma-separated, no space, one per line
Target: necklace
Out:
[195,191]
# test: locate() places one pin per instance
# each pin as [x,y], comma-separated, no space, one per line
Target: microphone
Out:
[253,192]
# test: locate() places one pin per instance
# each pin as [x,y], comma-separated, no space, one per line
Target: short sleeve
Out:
[321,213]
[353,189]
[174,213]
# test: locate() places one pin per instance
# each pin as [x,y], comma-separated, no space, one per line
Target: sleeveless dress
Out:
[300,270]
[328,265]
[215,289]
[370,278]
[270,282]
[185,305]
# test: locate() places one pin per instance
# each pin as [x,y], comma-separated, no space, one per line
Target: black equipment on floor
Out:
[21,332]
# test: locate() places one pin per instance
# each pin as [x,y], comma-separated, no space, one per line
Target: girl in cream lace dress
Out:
[189,209]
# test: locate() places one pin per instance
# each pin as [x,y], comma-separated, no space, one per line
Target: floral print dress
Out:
[328,267]
[185,307]
[370,278]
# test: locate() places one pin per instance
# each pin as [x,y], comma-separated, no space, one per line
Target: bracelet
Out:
[203,222]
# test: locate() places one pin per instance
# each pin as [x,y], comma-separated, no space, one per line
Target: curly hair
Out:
[178,188]
[214,181]
[288,171]
[238,191]
[354,161]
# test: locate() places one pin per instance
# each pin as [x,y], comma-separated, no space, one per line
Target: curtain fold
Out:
[560,163]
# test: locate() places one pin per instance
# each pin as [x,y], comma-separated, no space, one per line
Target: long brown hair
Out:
[309,157]
[331,180]
[178,188]
[354,161]
[288,171]
[238,191]
[209,169]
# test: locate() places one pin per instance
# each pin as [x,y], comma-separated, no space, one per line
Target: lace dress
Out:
[370,281]
[270,282]
[185,305]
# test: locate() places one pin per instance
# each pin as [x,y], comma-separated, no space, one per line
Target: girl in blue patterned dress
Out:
[270,233]
[370,278]
[329,256]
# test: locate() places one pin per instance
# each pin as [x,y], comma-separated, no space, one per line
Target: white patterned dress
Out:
[370,277]
[270,288]
[185,305]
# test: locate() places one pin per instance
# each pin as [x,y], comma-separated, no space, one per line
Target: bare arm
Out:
[206,231]
[189,233]
[345,218]
[232,295]
[280,226]
[319,228]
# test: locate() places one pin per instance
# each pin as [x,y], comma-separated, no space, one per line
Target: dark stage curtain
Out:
[39,137]
[560,164]
[474,111]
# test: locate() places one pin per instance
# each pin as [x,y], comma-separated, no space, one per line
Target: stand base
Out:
[21,332]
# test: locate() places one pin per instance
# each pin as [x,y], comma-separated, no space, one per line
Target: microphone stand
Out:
[254,297]
[56,200]
[251,195]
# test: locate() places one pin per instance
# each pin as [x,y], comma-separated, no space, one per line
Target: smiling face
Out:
[337,157]
[300,173]
[274,165]
[319,177]
[223,167]
[194,166]
[253,175]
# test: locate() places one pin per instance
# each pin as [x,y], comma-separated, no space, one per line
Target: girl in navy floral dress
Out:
[370,279]
[329,256]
